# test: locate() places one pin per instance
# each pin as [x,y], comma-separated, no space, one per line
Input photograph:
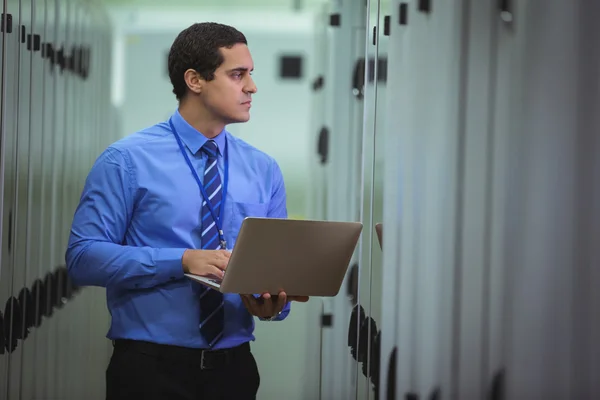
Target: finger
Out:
[281,302]
[213,270]
[224,253]
[266,296]
[257,303]
[221,263]
[248,297]
[270,307]
[263,305]
[276,304]
[220,257]
[260,306]
[300,299]
[294,298]
[246,300]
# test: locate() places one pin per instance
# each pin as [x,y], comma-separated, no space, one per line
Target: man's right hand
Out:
[207,263]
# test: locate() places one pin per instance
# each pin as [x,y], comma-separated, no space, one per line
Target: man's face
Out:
[229,94]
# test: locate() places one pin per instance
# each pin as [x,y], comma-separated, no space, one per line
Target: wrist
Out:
[184,261]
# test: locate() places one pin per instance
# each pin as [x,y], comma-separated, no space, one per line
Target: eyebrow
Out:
[240,69]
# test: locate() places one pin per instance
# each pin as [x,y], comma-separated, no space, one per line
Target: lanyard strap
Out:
[219,220]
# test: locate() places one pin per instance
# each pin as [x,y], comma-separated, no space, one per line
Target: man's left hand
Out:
[268,306]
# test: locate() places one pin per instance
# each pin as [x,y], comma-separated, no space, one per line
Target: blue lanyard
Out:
[218,221]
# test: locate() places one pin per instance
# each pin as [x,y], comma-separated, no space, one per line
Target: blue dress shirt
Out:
[140,210]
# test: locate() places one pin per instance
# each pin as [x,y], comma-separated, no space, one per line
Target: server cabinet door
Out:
[364,323]
[21,196]
[10,77]
[33,254]
[45,77]
[70,188]
[321,156]
[552,352]
[387,231]
[43,286]
[474,226]
[377,218]
[82,134]
[346,37]
[369,296]
[496,320]
[423,135]
[400,256]
[413,93]
[59,179]
[435,138]
[586,356]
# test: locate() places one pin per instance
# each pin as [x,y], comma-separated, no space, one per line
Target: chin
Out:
[239,119]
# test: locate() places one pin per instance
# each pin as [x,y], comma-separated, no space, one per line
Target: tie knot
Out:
[211,148]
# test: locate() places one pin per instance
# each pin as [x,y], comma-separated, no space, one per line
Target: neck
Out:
[199,118]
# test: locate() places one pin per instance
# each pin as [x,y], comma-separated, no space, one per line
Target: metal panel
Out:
[419,203]
[496,322]
[370,296]
[21,195]
[44,101]
[434,180]
[344,118]
[391,222]
[10,79]
[494,157]
[38,368]
[31,261]
[473,244]
[322,155]
[71,339]
[363,322]
[413,128]
[449,55]
[554,176]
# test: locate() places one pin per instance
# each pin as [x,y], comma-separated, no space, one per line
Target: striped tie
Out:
[211,301]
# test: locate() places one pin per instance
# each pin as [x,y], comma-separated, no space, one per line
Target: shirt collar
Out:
[193,139]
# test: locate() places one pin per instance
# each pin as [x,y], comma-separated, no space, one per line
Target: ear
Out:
[194,81]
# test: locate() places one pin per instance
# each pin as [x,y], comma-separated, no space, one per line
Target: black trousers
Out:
[155,372]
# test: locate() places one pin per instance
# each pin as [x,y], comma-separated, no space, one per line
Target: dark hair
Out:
[198,48]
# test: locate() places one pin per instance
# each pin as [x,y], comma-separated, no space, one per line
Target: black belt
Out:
[208,359]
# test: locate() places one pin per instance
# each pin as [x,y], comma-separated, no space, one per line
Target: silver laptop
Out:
[300,257]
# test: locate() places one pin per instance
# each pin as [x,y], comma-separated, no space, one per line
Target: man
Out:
[170,199]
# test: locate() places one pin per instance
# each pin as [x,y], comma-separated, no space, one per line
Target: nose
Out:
[250,86]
